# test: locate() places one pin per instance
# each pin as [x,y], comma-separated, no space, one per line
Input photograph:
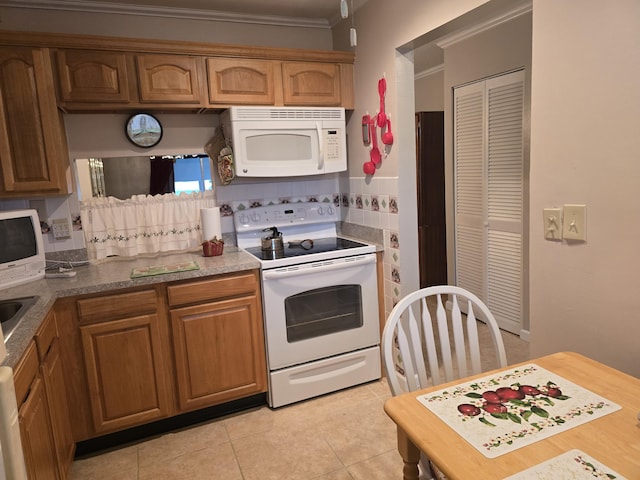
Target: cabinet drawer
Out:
[109,307]
[25,372]
[213,289]
[45,335]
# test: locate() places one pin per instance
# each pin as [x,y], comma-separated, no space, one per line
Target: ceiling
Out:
[321,13]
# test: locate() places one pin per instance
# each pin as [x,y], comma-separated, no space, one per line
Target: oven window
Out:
[323,311]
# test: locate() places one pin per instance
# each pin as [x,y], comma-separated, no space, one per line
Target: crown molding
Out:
[184,13]
[428,72]
[457,37]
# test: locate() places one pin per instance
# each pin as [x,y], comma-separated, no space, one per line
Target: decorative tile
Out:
[226,210]
[393,204]
[345,200]
[375,203]
[394,239]
[255,203]
[312,198]
[383,201]
[358,200]
[366,201]
[239,206]
[336,200]
[395,274]
[284,199]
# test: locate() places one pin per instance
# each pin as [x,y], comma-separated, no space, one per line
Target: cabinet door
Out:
[311,83]
[37,437]
[125,366]
[169,79]
[219,350]
[33,149]
[53,376]
[245,82]
[93,76]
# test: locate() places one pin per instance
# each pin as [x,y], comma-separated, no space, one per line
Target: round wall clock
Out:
[143,130]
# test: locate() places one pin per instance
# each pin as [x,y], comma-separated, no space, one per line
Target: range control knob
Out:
[255,217]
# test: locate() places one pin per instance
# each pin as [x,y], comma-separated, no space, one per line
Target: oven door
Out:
[319,309]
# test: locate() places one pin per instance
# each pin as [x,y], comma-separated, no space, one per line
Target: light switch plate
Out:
[552,218]
[575,222]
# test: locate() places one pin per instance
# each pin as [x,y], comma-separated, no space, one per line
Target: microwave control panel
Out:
[332,144]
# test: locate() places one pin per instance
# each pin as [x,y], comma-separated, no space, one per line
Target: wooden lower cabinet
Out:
[37,434]
[219,349]
[146,354]
[125,359]
[34,416]
[125,371]
[54,386]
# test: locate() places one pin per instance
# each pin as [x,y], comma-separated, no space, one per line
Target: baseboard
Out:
[131,435]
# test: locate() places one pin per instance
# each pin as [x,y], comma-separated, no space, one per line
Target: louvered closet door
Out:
[488,162]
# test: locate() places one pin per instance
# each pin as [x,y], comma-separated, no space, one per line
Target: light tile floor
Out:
[341,436]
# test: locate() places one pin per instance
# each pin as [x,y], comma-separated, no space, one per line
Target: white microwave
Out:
[286,141]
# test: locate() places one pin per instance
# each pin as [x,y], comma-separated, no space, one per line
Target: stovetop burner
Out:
[320,245]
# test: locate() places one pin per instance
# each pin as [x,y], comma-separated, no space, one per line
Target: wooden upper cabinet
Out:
[234,81]
[93,76]
[311,83]
[33,148]
[170,79]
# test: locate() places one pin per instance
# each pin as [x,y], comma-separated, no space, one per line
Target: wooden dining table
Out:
[613,439]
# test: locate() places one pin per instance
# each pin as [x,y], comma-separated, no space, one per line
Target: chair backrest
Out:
[409,335]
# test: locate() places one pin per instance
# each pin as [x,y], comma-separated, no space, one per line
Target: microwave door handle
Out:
[320,147]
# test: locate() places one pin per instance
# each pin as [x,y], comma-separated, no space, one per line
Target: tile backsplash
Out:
[370,202]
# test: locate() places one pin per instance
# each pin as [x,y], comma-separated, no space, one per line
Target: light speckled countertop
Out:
[110,275]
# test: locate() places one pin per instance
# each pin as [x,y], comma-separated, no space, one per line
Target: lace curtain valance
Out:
[144,224]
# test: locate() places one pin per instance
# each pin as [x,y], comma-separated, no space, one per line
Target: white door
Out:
[489,194]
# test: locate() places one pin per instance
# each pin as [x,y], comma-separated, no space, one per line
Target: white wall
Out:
[430,92]
[584,149]
[382,27]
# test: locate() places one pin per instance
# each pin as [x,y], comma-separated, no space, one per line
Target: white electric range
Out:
[320,301]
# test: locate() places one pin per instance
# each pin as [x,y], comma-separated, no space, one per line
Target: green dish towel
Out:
[162,269]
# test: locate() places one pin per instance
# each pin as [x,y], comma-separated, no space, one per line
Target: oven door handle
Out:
[320,267]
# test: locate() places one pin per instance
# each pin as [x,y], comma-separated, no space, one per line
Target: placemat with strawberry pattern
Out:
[571,465]
[501,413]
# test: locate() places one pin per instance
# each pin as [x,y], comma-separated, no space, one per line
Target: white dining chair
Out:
[429,340]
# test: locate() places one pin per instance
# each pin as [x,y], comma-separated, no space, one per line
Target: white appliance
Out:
[22,256]
[286,141]
[320,301]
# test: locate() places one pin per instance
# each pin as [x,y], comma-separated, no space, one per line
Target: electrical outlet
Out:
[552,218]
[60,228]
